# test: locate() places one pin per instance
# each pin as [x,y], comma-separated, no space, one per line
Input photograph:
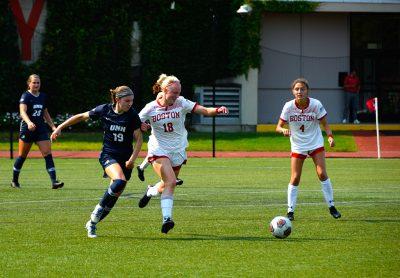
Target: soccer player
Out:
[145,163]
[33,128]
[121,124]
[168,140]
[303,116]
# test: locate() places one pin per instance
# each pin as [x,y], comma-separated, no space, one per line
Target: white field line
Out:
[263,203]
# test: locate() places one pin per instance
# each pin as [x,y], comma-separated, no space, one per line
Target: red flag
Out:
[371,105]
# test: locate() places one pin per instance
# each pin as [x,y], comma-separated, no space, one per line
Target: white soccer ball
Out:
[280,227]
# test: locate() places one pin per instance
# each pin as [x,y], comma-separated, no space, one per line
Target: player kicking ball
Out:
[168,140]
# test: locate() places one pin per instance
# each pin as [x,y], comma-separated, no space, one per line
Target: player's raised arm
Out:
[69,122]
[211,111]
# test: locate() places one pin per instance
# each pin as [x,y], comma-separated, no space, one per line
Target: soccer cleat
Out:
[57,185]
[167,225]
[91,230]
[15,184]
[290,215]
[333,211]
[344,121]
[145,199]
[179,182]
[140,173]
[356,121]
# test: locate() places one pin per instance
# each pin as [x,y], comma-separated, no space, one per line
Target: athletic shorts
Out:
[33,136]
[177,158]
[108,159]
[303,155]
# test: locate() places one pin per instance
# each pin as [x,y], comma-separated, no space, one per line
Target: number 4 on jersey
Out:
[302,128]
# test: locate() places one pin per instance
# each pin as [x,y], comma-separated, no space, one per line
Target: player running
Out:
[33,128]
[168,140]
[303,116]
[121,124]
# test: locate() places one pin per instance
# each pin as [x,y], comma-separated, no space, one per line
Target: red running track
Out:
[365,140]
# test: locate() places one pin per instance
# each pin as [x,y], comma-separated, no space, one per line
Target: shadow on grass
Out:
[204,237]
[372,220]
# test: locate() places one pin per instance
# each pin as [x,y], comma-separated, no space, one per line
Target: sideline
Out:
[208,154]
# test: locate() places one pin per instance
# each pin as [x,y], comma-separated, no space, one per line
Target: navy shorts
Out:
[33,136]
[106,160]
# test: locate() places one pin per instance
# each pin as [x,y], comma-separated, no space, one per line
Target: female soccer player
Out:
[120,124]
[33,128]
[168,140]
[303,116]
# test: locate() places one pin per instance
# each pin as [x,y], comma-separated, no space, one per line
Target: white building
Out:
[341,34]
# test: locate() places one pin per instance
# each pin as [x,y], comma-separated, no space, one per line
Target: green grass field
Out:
[221,213]
[198,141]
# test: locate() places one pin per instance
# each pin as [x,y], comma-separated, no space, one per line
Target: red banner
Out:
[371,105]
[26,29]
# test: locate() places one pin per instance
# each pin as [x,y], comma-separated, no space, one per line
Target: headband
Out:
[124,93]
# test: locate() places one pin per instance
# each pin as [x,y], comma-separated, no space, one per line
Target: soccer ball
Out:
[280,227]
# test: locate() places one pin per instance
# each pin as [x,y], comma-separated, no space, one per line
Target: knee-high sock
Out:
[153,190]
[108,201]
[144,164]
[167,202]
[51,169]
[292,197]
[326,187]
[17,167]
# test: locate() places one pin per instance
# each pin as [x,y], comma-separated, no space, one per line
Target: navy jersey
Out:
[118,129]
[35,108]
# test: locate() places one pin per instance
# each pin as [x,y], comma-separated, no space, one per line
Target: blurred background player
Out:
[303,115]
[121,124]
[351,86]
[33,128]
[168,140]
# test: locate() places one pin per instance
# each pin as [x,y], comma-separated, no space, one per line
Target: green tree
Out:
[11,70]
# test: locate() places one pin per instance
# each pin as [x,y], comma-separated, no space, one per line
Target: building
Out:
[321,46]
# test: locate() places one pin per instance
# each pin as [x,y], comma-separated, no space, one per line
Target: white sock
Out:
[292,197]
[95,217]
[144,164]
[167,203]
[326,187]
[153,190]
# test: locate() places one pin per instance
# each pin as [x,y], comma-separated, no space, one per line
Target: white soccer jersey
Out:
[168,132]
[305,133]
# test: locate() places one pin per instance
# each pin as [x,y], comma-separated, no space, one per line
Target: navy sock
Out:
[51,169]
[105,212]
[111,196]
[17,167]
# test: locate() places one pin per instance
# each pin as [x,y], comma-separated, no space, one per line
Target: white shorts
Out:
[177,158]
[304,154]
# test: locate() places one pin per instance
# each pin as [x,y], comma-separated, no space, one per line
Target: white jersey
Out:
[168,132]
[305,133]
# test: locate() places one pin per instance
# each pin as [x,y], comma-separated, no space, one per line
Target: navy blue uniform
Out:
[35,108]
[118,135]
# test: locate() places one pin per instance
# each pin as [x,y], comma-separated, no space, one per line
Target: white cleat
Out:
[91,230]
